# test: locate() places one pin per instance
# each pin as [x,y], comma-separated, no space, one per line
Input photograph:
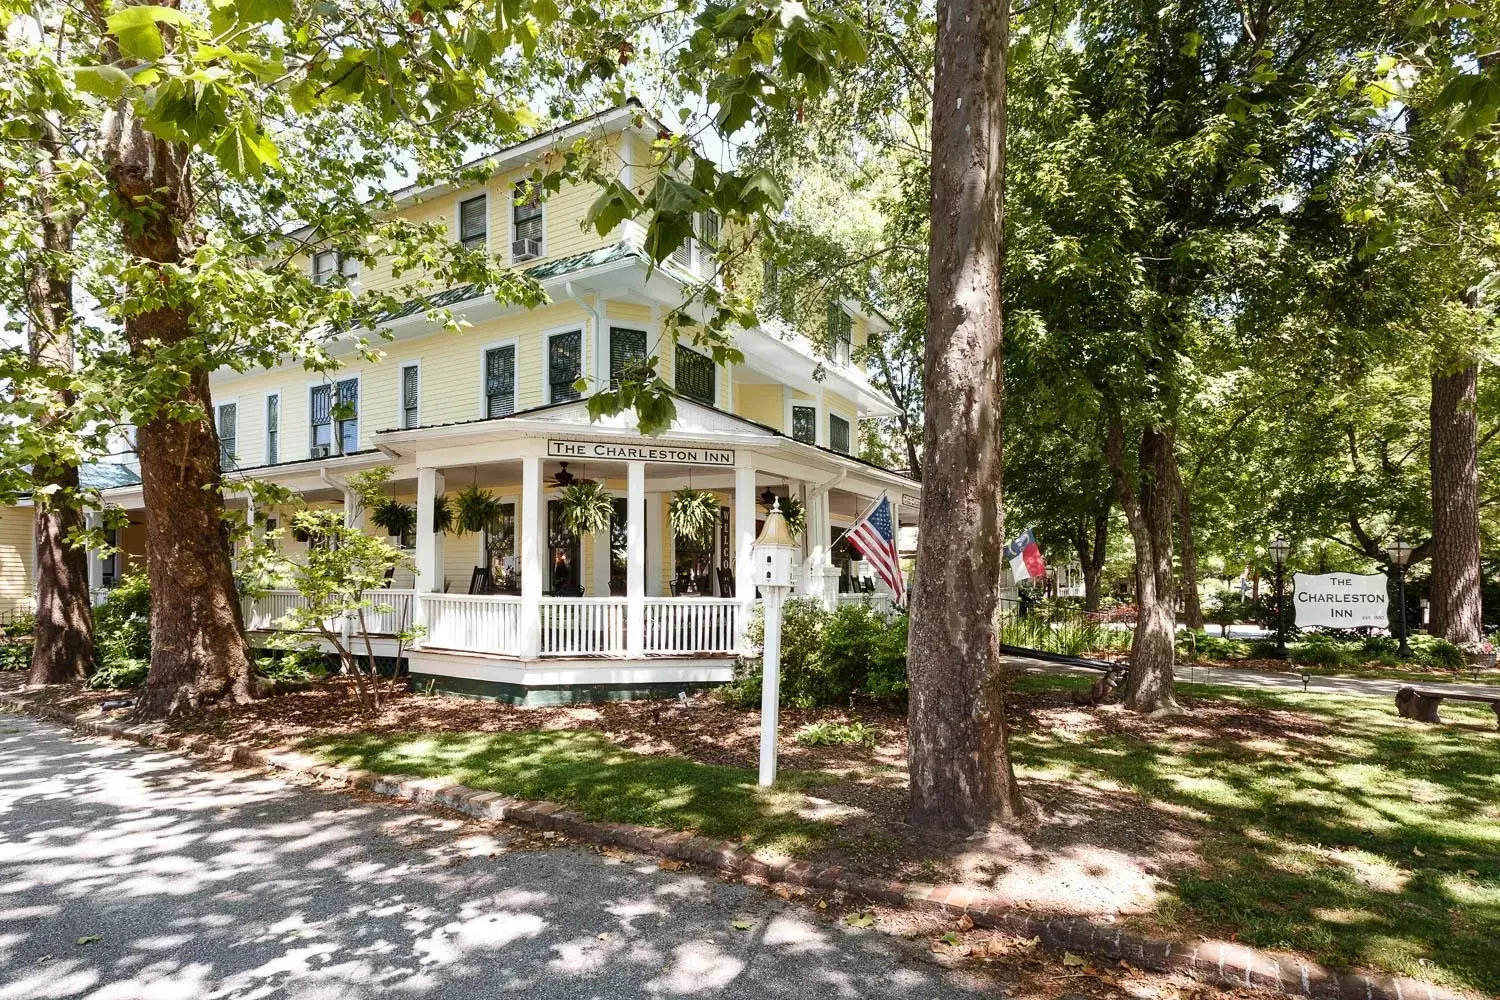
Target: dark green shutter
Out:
[500,381]
[838,434]
[564,365]
[695,375]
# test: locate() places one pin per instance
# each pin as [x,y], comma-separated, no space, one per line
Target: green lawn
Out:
[1375,844]
[606,783]
[1369,841]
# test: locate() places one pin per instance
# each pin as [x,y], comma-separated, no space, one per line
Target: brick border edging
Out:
[1223,962]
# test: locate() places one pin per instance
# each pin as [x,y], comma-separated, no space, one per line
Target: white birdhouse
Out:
[774,551]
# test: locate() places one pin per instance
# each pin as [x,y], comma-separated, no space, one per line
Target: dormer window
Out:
[526,225]
[840,333]
[473,222]
[325,264]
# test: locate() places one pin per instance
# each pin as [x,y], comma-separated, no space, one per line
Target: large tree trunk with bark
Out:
[1455,586]
[63,646]
[961,775]
[1091,554]
[199,653]
[1148,495]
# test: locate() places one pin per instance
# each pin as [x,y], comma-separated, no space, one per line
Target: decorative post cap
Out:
[774,533]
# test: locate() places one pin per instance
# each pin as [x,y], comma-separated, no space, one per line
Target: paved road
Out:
[226,884]
[1277,682]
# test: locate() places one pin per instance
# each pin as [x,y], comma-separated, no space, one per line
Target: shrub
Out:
[20,624]
[122,624]
[292,666]
[836,734]
[120,672]
[1320,654]
[826,657]
[1212,647]
[1262,649]
[1434,652]
[15,656]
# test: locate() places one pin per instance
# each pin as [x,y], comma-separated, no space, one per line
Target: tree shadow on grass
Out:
[128,874]
[1330,826]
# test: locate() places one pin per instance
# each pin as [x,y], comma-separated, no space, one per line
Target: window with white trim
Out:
[335,418]
[273,428]
[473,222]
[805,424]
[708,239]
[840,333]
[228,434]
[411,385]
[696,375]
[627,349]
[325,264]
[527,237]
[564,366]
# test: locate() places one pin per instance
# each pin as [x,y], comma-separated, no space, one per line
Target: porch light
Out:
[1400,551]
[1279,548]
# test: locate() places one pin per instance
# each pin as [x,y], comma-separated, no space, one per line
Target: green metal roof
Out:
[107,475]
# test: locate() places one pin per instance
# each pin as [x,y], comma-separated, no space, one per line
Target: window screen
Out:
[409,391]
[273,429]
[626,348]
[805,424]
[838,434]
[695,375]
[500,381]
[472,227]
[564,365]
[228,427]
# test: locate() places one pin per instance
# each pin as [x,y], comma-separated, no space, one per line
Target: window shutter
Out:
[564,365]
[838,434]
[805,424]
[472,224]
[409,376]
[500,381]
[695,375]
[626,348]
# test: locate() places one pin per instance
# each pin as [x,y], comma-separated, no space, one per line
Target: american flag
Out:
[874,535]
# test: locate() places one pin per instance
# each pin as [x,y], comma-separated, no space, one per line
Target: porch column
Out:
[635,560]
[429,555]
[351,515]
[744,539]
[92,520]
[821,579]
[533,554]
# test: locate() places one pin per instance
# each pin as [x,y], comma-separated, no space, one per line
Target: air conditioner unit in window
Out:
[525,249]
[321,451]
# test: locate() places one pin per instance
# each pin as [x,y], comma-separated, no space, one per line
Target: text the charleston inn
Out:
[527,609]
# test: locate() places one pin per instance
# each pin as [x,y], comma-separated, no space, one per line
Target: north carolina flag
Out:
[1025,557]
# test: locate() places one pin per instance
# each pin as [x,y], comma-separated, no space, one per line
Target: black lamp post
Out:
[1400,553]
[1279,549]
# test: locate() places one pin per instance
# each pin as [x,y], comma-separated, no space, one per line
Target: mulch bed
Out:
[1090,850]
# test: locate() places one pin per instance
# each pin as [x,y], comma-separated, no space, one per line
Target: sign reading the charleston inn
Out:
[674,454]
[1341,600]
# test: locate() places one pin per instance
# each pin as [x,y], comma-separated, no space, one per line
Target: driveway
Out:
[127,873]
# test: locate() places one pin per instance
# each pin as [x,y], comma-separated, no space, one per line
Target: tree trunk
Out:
[1091,555]
[1149,498]
[1455,506]
[1192,607]
[199,653]
[63,646]
[961,775]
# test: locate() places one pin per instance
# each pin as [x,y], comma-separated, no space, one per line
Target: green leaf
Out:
[245,151]
[108,82]
[88,939]
[743,925]
[139,32]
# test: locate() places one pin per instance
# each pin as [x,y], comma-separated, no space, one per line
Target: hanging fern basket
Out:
[587,508]
[478,510]
[692,515]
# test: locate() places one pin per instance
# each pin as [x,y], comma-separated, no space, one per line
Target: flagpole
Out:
[873,504]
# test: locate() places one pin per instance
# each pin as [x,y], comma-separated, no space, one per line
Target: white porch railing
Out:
[880,601]
[583,626]
[267,610]
[271,607]
[473,623]
[688,626]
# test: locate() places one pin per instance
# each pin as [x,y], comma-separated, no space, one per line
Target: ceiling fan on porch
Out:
[562,478]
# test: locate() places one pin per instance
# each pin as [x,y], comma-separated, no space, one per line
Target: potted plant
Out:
[398,519]
[587,508]
[692,515]
[477,510]
[442,515]
[792,511]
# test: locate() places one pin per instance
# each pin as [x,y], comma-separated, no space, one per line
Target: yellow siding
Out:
[765,404]
[838,405]
[16,554]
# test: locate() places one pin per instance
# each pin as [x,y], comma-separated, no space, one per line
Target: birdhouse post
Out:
[772,554]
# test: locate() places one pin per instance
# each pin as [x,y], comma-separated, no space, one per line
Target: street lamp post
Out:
[1400,552]
[1279,549]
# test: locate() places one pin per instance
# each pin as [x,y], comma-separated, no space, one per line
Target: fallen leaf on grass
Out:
[88,939]
[860,919]
[949,938]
